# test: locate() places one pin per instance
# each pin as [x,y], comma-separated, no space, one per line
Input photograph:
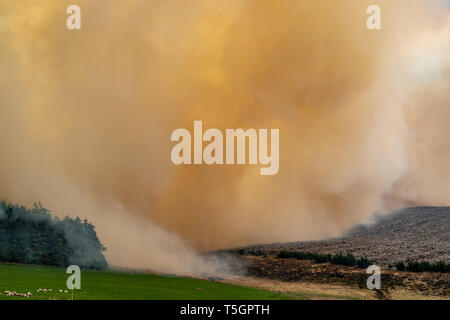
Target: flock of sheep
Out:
[50,290]
[18,294]
[29,294]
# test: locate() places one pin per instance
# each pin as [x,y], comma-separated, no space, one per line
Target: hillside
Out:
[411,234]
[408,235]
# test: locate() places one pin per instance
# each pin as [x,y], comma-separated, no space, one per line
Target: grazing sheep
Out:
[17,294]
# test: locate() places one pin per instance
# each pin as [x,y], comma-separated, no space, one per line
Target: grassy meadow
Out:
[109,285]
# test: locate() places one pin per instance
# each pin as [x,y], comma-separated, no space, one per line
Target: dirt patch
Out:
[304,290]
[340,281]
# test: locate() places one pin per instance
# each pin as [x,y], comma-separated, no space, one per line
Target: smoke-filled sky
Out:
[86,117]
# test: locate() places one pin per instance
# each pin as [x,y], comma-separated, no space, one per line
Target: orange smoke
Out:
[86,117]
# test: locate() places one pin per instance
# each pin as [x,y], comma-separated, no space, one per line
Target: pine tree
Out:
[34,236]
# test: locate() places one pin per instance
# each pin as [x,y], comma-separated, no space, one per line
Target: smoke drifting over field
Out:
[86,117]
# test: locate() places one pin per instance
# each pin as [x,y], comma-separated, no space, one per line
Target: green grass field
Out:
[107,285]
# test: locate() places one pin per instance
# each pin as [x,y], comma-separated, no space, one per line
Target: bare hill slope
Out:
[411,234]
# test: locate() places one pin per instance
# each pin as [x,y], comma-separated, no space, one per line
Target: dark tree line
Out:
[340,259]
[33,236]
[424,266]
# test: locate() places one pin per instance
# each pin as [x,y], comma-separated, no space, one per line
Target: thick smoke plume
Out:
[86,117]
